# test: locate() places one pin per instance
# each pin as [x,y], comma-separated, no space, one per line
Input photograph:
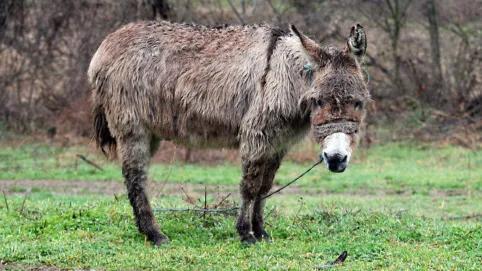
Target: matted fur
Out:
[239,86]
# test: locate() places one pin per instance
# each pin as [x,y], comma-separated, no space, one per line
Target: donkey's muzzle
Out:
[336,162]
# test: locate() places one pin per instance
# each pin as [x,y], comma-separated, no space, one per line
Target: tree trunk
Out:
[396,57]
[394,25]
[433,28]
[161,9]
[3,17]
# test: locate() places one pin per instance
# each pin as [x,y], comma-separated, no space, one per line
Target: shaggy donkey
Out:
[256,88]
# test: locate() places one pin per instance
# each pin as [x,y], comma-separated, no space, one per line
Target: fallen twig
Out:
[339,260]
[231,211]
[23,202]
[83,158]
[5,198]
[204,208]
[465,217]
[189,199]
[205,201]
[222,200]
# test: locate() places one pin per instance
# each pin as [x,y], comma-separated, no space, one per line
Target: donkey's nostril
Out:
[336,158]
[343,160]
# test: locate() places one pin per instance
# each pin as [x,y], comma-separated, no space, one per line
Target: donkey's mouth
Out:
[337,170]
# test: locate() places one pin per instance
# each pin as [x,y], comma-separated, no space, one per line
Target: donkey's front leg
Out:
[250,185]
[269,172]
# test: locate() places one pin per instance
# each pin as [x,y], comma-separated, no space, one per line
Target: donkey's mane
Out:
[276,34]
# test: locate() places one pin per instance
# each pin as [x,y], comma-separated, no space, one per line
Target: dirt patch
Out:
[15,266]
[76,187]
[156,189]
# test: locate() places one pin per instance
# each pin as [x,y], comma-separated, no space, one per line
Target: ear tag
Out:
[308,69]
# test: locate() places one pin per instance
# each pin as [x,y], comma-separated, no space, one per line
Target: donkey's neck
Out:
[286,80]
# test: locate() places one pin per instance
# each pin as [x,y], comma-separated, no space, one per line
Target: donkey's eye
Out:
[358,105]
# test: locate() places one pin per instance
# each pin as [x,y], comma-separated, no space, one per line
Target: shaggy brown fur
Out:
[239,86]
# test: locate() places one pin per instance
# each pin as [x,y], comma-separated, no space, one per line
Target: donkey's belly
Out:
[207,141]
[198,132]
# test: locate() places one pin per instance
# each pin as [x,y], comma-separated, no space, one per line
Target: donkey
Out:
[256,88]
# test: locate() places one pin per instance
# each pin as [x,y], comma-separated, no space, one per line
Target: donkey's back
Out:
[181,82]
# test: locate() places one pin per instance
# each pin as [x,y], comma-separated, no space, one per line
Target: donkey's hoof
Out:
[263,236]
[159,240]
[248,239]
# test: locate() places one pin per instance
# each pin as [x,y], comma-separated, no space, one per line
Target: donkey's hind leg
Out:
[135,151]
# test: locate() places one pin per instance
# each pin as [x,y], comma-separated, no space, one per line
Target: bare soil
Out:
[14,266]
[114,188]
[76,187]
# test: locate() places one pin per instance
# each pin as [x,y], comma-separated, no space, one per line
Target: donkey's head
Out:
[337,96]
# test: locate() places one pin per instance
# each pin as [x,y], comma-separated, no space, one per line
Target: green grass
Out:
[394,167]
[97,232]
[398,207]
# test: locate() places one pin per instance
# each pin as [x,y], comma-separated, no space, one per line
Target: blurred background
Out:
[424,62]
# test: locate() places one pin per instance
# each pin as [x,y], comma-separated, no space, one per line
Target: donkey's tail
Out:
[103,137]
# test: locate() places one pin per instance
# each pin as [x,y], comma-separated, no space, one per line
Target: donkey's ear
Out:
[310,46]
[357,41]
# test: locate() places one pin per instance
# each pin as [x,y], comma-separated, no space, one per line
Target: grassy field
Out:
[399,206]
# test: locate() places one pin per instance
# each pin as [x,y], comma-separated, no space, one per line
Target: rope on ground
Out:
[231,210]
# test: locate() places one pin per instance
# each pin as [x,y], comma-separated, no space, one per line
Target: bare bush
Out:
[46,47]
[423,55]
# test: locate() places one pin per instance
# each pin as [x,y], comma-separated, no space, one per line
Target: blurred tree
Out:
[464,70]
[391,17]
[4,6]
[160,9]
[431,12]
[152,9]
